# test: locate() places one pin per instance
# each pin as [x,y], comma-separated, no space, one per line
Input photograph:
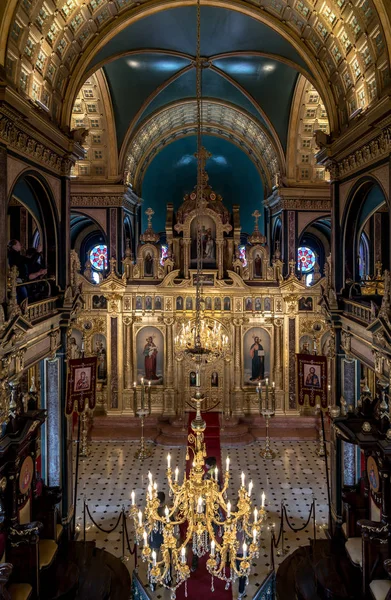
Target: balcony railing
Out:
[357,311]
[41,309]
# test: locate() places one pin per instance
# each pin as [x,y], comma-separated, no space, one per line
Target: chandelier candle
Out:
[200,512]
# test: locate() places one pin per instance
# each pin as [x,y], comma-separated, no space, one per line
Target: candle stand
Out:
[144,450]
[267,408]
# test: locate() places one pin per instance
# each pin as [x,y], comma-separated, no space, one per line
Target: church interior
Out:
[195,311]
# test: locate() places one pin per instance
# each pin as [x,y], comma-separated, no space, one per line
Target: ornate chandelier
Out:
[229,533]
[208,340]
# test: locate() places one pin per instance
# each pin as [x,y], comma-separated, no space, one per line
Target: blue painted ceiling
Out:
[139,73]
[173,173]
[148,66]
[222,30]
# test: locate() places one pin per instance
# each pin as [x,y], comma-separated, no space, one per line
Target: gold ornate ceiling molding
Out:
[218,119]
[50,45]
[93,111]
[308,114]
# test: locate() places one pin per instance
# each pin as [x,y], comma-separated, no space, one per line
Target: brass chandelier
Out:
[210,524]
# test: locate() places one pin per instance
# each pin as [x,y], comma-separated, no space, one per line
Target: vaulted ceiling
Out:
[125,71]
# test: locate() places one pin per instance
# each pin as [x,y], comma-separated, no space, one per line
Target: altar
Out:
[131,320]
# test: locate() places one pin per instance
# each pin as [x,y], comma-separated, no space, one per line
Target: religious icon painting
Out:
[148,303]
[267,305]
[158,303]
[312,379]
[148,265]
[150,355]
[208,303]
[217,303]
[208,240]
[192,378]
[258,304]
[249,303]
[214,379]
[189,303]
[257,266]
[100,349]
[179,303]
[99,302]
[305,303]
[256,355]
[227,303]
[139,303]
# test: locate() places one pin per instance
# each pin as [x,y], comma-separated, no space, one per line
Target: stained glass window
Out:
[98,257]
[242,255]
[163,254]
[305,259]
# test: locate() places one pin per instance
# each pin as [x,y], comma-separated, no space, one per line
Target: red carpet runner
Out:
[198,585]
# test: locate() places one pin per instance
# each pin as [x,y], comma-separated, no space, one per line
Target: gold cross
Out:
[149,212]
[256,214]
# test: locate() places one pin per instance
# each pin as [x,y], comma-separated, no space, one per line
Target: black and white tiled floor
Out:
[295,476]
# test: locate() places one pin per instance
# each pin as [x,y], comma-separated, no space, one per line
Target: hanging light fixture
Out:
[200,338]
[227,532]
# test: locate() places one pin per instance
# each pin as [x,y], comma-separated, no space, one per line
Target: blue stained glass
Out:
[305,259]
[98,257]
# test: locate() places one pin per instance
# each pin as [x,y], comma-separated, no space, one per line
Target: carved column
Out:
[219,256]
[278,324]
[169,400]
[3,224]
[180,397]
[227,408]
[113,382]
[128,371]
[186,257]
[170,353]
[53,422]
[237,367]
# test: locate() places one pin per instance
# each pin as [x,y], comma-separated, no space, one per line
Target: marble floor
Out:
[294,477]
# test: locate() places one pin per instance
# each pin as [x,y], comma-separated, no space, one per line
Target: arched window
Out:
[98,259]
[306,259]
[363,257]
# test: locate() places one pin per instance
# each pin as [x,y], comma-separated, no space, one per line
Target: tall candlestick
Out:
[198,383]
[142,394]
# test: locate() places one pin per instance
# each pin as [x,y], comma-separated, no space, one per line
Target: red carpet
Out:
[198,585]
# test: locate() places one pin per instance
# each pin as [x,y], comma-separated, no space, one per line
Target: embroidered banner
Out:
[312,380]
[81,384]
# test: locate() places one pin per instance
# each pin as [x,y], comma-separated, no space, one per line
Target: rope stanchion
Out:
[101,528]
[297,529]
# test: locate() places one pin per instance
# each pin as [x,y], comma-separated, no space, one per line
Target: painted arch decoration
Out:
[343,42]
[218,119]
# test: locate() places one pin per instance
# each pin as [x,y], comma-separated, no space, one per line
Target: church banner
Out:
[312,380]
[81,384]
